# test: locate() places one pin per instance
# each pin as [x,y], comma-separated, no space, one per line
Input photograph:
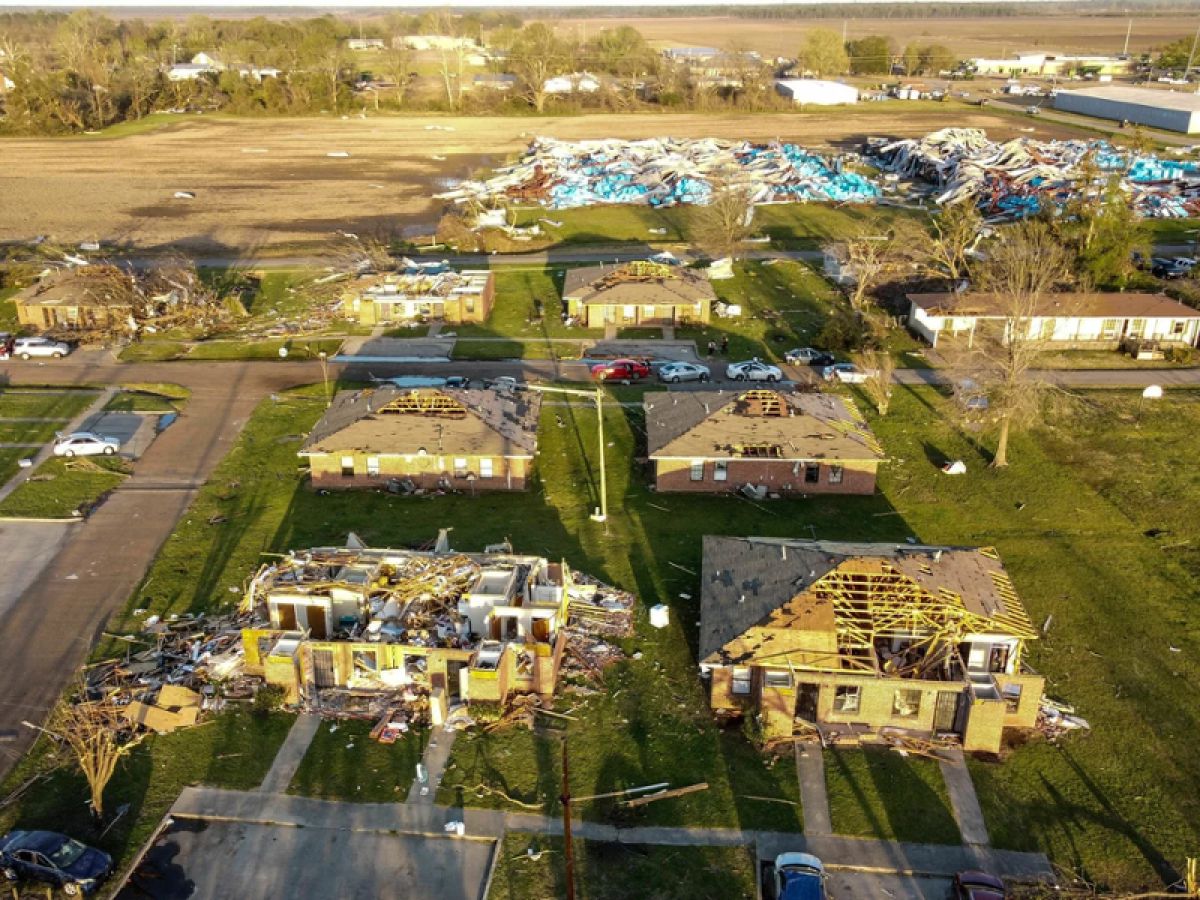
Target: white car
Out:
[28,347]
[675,372]
[847,373]
[753,370]
[85,443]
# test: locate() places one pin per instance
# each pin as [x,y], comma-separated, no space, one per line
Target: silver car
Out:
[753,370]
[675,372]
[29,347]
[85,443]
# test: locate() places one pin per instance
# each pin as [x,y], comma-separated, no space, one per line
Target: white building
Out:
[1079,320]
[1169,110]
[815,92]
[576,83]
[364,43]
[438,42]
[1045,64]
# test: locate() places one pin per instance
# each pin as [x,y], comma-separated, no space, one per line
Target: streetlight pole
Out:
[597,397]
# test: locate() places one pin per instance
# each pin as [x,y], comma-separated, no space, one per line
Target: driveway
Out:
[213,860]
[869,886]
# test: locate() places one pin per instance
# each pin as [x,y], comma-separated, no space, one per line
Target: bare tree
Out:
[870,254]
[98,737]
[880,367]
[723,226]
[538,54]
[1024,264]
[944,251]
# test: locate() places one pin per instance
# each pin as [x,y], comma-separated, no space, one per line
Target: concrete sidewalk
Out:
[435,759]
[76,424]
[814,800]
[291,754]
[963,801]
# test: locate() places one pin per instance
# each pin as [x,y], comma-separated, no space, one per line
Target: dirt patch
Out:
[288,189]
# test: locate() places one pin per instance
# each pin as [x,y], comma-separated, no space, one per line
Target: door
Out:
[317,629]
[287,616]
[945,714]
[323,675]
[454,680]
[807,695]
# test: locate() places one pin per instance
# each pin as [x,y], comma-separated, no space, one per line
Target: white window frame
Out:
[697,470]
[460,467]
[841,693]
[721,470]
[902,699]
[741,680]
[836,474]
[485,467]
[347,466]
[777,678]
[373,466]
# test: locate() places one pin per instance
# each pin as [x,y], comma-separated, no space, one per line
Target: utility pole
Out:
[597,396]
[568,846]
[1128,31]
[1192,55]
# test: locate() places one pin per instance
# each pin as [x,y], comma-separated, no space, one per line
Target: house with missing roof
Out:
[851,639]
[788,443]
[1083,320]
[421,291]
[642,292]
[425,439]
[80,298]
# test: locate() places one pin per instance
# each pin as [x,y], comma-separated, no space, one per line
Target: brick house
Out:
[428,438]
[851,638]
[80,298]
[426,291]
[715,441]
[637,293]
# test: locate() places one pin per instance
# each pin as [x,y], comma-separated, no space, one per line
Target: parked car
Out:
[675,372]
[85,443]
[458,381]
[973,885]
[7,341]
[799,876]
[847,373]
[1172,267]
[28,347]
[621,370]
[808,356]
[55,859]
[503,384]
[753,370]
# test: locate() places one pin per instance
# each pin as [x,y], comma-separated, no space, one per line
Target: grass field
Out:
[57,407]
[64,488]
[621,871]
[343,763]
[263,349]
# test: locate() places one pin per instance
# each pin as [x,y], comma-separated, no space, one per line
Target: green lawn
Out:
[878,793]
[62,488]
[298,348]
[528,305]
[32,403]
[621,871]
[145,401]
[1102,359]
[343,763]
[233,751]
[1173,231]
[151,350]
[502,349]
[8,310]
[9,458]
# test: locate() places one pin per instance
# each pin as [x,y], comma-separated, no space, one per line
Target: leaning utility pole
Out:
[1192,54]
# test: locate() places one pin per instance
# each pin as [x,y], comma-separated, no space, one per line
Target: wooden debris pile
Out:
[598,609]
[1058,719]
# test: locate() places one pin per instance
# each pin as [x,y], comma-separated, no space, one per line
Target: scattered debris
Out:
[184,195]
[1056,719]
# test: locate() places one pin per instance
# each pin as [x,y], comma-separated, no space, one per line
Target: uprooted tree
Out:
[873,252]
[1024,264]
[723,226]
[98,737]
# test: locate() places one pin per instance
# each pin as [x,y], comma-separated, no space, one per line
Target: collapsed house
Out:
[425,439]
[850,639]
[716,441]
[350,626]
[1080,320]
[642,292]
[106,298]
[421,291]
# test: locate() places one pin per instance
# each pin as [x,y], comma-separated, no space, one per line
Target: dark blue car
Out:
[799,876]
[55,859]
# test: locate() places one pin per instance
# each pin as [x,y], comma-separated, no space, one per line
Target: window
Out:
[470,304]
[846,698]
[629,312]
[1012,697]
[741,680]
[812,473]
[1108,329]
[460,467]
[906,704]
[347,466]
[835,474]
[778,679]
[698,470]
[366,660]
[485,467]
[1178,327]
[1136,327]
[373,466]
[721,470]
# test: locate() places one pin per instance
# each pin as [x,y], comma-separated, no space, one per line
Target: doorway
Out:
[946,717]
[807,695]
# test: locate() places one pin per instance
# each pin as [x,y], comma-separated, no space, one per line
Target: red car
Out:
[621,370]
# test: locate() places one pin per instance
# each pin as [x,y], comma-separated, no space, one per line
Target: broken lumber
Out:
[665,795]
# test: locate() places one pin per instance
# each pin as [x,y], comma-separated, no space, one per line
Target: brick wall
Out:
[779,476]
[424,471]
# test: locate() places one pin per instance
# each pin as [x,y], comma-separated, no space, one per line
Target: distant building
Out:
[1076,320]
[691,54]
[787,443]
[493,82]
[437,42]
[455,439]
[206,64]
[428,291]
[1169,110]
[1046,64]
[365,43]
[79,298]
[577,83]
[637,293]
[815,92]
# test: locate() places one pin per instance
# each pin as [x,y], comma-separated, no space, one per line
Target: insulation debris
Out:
[662,172]
[1017,178]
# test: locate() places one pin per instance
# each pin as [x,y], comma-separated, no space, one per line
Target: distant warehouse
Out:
[814,92]
[1168,110]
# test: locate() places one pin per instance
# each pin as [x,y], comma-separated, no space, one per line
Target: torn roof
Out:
[718,424]
[761,596]
[1079,304]
[597,285]
[391,420]
[100,285]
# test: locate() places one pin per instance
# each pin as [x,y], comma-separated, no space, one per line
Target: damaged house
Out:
[419,292]
[851,638]
[784,443]
[350,625]
[425,439]
[642,292]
